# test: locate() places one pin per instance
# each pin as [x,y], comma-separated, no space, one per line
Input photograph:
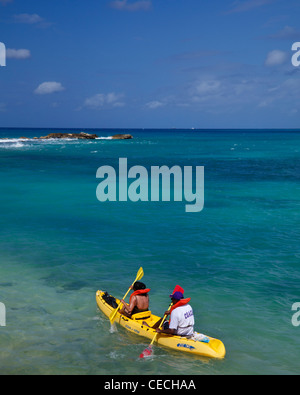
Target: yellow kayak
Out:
[198,345]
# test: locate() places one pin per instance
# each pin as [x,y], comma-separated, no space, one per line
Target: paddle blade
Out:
[148,352]
[114,314]
[140,274]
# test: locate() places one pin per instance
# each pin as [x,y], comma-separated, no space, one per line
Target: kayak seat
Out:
[144,315]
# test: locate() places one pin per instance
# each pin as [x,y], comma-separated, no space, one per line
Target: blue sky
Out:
[150,64]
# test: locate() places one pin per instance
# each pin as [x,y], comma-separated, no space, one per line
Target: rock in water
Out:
[81,135]
[122,137]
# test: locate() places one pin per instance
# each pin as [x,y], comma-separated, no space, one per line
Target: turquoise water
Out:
[238,259]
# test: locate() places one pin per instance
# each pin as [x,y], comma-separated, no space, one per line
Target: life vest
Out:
[180,303]
[140,292]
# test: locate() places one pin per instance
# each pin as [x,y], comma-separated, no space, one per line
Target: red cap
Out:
[178,289]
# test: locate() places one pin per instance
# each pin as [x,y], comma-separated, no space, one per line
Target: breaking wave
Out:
[20,143]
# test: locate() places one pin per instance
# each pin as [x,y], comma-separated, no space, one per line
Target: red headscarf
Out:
[181,302]
[178,289]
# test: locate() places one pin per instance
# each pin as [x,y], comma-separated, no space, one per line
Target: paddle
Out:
[149,350]
[139,275]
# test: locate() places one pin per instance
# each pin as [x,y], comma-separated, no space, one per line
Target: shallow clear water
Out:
[238,259]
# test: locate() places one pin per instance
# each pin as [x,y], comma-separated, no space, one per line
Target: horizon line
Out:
[147,128]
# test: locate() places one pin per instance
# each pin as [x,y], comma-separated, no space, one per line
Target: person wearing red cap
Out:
[181,315]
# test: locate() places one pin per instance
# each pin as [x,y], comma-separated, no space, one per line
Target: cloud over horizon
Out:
[100,100]
[153,105]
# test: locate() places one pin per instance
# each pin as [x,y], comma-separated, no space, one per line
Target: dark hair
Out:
[138,286]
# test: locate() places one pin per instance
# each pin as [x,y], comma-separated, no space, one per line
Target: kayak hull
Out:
[213,349]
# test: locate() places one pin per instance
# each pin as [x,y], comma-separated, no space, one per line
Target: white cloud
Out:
[28,18]
[221,94]
[275,58]
[287,33]
[32,19]
[49,87]
[152,105]
[207,87]
[286,93]
[125,5]
[236,92]
[216,94]
[100,100]
[17,53]
[248,5]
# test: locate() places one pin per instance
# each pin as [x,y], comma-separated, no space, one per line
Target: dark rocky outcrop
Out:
[122,137]
[82,135]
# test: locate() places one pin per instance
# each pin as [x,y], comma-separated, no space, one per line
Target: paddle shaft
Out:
[162,322]
[139,275]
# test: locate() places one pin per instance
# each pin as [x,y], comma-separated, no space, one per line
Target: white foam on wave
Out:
[12,143]
[5,141]
[19,143]
[113,328]
[54,141]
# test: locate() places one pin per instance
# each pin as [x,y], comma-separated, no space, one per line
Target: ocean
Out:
[237,259]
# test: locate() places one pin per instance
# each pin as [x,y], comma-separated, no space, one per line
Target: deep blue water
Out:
[238,259]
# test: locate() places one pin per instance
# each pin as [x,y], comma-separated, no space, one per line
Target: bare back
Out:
[141,302]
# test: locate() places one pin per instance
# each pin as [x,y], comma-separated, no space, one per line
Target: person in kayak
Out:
[181,316]
[139,300]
